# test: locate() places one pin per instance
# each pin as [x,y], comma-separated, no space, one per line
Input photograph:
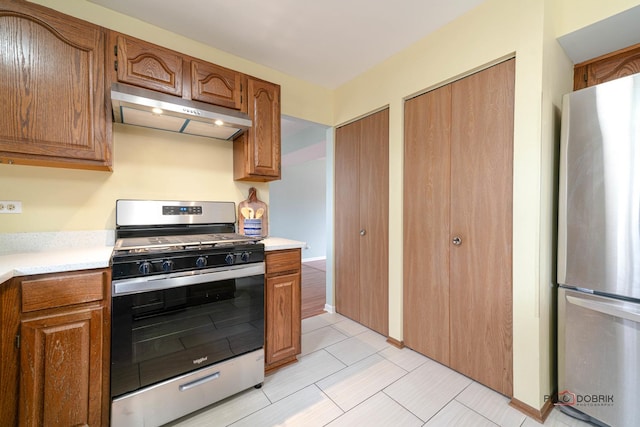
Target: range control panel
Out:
[182,210]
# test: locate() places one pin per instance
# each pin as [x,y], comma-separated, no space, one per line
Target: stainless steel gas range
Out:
[187,310]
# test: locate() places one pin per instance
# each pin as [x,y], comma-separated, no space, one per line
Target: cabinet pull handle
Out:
[196,383]
[363,232]
[457,241]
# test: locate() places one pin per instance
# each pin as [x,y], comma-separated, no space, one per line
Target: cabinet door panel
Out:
[9,353]
[264,111]
[481,215]
[52,89]
[624,62]
[256,153]
[347,220]
[215,85]
[63,385]
[283,314]
[373,195]
[427,191]
[149,66]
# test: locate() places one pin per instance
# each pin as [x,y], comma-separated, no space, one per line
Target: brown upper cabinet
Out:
[611,66]
[152,67]
[216,85]
[256,153]
[146,65]
[56,76]
[52,89]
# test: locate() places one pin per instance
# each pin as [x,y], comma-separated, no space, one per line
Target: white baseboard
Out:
[318,258]
[329,308]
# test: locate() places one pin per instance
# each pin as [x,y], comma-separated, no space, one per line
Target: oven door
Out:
[167,326]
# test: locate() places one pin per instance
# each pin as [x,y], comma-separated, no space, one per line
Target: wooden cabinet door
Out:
[263,139]
[9,352]
[283,321]
[216,85]
[61,369]
[256,153]
[427,197]
[283,312]
[147,65]
[52,86]
[481,216]
[621,63]
[361,220]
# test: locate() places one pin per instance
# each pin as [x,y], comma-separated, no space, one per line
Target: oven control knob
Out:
[229,259]
[244,256]
[167,265]
[201,262]
[145,267]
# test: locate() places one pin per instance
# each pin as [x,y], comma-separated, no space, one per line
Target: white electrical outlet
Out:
[10,207]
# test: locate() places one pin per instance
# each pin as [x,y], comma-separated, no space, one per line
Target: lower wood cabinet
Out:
[59,360]
[283,307]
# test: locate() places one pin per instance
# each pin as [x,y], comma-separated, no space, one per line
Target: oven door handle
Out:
[196,383]
[168,281]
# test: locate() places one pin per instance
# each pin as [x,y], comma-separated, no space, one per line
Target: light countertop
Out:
[278,243]
[27,263]
[59,259]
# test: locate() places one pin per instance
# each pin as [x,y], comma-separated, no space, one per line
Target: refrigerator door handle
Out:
[617,310]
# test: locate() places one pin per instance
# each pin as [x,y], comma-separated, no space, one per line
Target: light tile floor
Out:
[348,375]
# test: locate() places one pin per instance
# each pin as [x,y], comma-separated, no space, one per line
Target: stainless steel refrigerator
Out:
[599,253]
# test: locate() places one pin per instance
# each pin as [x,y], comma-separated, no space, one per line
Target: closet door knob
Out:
[363,232]
[457,241]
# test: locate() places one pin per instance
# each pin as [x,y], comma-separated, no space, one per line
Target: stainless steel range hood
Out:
[141,107]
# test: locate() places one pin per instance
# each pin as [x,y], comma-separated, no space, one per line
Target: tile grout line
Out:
[471,409]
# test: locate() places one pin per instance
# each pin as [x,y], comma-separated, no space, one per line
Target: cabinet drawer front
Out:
[61,290]
[283,261]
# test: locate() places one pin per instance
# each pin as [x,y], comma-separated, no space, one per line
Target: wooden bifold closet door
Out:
[362,221]
[458,176]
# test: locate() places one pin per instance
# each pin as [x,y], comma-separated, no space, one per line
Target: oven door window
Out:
[158,335]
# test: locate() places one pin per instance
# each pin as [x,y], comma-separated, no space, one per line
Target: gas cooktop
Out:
[191,241]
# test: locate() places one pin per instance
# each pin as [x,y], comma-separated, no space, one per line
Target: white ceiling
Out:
[326,42]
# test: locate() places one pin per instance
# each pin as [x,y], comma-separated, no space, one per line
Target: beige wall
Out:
[146,166]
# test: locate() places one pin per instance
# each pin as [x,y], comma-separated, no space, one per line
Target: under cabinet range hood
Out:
[142,107]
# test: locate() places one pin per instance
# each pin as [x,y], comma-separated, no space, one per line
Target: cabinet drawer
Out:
[61,290]
[283,261]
